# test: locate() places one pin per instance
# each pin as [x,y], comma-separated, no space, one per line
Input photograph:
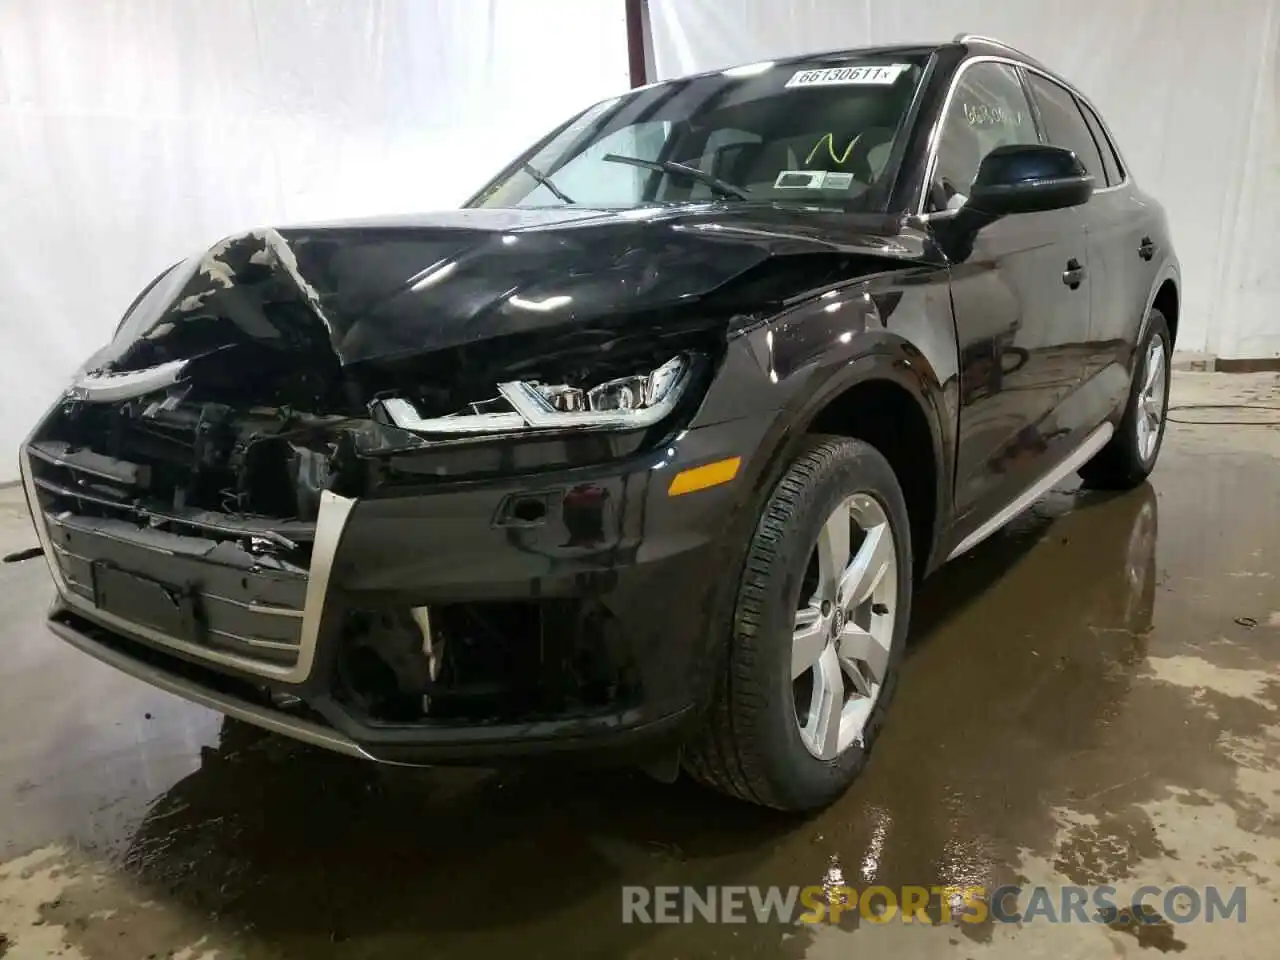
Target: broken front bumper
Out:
[628,568]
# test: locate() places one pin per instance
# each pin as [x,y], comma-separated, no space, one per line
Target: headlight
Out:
[626,403]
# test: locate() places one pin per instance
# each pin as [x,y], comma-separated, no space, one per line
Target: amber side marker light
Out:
[707,475]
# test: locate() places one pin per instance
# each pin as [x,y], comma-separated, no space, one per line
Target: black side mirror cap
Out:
[1029,178]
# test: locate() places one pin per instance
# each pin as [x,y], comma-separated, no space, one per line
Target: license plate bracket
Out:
[169,608]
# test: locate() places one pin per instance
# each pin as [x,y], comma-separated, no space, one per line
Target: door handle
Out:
[1074,275]
[1146,249]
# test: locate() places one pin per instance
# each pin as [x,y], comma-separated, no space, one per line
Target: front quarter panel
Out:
[895,326]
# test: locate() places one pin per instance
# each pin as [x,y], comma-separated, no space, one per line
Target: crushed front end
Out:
[358,554]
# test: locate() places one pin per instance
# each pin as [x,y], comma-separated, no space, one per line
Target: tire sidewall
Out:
[858,468]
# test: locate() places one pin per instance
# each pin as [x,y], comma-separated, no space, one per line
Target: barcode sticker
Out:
[800,180]
[882,75]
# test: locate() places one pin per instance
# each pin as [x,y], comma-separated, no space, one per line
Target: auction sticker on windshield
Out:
[813,180]
[885,74]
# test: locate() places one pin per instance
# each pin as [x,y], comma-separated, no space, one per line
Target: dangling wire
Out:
[1272,422]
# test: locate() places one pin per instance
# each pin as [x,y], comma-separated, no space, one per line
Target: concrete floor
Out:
[1084,701]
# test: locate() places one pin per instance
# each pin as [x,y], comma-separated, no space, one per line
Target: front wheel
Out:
[1131,453]
[818,631]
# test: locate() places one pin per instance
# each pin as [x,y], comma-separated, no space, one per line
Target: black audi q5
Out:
[637,456]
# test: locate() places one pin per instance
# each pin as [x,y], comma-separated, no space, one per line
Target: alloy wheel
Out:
[1151,400]
[844,626]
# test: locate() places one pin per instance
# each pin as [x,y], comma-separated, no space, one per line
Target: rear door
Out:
[1021,302]
[1114,217]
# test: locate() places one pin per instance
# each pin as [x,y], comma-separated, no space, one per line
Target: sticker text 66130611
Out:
[884,74]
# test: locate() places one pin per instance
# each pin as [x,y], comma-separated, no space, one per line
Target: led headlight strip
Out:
[624,404]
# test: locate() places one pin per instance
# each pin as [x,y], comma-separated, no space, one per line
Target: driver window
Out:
[988,109]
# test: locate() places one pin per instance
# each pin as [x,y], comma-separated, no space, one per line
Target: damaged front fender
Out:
[251,378]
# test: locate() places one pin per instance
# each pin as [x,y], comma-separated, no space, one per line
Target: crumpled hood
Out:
[381,289]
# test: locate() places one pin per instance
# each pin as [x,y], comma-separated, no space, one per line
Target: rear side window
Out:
[1064,124]
[1110,158]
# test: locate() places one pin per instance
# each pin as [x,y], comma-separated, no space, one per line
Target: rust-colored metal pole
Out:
[635,42]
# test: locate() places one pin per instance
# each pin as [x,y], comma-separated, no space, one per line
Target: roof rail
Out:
[968,37]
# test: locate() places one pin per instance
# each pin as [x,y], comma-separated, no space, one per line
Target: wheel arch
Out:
[890,416]
[886,397]
[1167,301]
[1165,295]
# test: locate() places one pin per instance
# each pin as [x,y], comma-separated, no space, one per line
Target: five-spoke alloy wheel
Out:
[844,630]
[818,630]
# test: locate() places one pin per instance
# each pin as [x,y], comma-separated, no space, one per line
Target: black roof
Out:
[970,42]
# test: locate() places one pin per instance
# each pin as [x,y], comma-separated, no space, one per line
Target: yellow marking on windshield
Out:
[830,142]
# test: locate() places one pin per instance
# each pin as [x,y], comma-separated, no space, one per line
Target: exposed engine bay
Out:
[244,382]
[245,449]
[184,474]
[240,489]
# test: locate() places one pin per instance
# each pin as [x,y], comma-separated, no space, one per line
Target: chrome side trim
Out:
[935,135]
[1073,461]
[234,707]
[332,520]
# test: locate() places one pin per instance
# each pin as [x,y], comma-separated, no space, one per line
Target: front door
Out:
[1021,303]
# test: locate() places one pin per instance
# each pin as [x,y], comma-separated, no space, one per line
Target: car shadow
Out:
[960,583]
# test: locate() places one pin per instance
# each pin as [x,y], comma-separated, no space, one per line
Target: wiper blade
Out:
[543,179]
[722,187]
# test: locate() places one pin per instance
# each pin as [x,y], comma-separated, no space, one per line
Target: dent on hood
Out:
[381,291]
[248,378]
[232,293]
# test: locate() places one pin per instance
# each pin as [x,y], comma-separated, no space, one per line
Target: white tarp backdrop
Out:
[135,133]
[1188,87]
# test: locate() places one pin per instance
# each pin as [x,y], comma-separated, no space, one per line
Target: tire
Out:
[1127,460]
[752,745]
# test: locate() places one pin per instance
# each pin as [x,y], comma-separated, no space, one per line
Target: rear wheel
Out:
[1131,453]
[818,631]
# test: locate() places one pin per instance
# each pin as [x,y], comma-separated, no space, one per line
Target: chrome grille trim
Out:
[332,520]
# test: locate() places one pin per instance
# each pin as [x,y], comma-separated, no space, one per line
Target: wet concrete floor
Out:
[1090,697]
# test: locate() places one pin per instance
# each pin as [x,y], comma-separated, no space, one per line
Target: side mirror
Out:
[1029,178]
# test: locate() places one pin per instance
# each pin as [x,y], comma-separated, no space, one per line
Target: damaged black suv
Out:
[640,454]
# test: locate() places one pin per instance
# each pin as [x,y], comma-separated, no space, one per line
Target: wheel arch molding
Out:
[1166,294]
[825,399]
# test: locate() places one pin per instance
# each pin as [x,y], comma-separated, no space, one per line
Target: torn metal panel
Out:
[367,291]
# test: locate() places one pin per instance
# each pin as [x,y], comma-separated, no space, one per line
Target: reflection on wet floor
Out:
[1043,714]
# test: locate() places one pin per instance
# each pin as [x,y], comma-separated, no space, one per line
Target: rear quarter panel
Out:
[1124,284]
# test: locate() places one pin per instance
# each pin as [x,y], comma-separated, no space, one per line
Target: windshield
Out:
[818,132]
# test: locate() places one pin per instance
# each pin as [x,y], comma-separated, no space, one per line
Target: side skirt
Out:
[1072,462]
